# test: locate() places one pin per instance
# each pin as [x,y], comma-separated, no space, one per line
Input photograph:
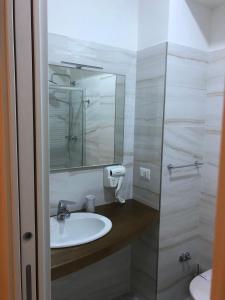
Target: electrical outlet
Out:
[148,174]
[145,174]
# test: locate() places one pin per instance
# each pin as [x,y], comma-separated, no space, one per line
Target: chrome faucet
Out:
[63,213]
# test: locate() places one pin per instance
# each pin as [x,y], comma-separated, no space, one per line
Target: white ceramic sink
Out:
[80,228]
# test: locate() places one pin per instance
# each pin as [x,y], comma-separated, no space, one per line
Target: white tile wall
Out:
[181,188]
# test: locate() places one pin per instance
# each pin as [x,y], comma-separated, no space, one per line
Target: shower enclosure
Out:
[174,130]
[66,126]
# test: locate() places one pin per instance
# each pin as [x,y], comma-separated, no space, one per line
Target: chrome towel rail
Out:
[196,164]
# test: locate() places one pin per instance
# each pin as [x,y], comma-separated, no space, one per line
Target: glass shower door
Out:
[65,127]
[76,129]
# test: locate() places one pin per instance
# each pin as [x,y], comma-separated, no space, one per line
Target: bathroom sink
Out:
[80,228]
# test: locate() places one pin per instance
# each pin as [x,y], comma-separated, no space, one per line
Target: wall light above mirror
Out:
[86,117]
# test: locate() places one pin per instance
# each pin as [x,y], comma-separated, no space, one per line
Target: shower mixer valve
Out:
[185,257]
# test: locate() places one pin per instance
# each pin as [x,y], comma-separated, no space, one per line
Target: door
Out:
[30,45]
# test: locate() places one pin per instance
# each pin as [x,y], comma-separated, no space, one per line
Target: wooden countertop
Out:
[128,222]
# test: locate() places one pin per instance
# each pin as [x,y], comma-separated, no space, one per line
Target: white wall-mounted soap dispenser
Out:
[113,178]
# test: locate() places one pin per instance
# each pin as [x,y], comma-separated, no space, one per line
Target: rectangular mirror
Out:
[86,117]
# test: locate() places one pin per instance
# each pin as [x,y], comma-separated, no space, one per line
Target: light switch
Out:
[148,174]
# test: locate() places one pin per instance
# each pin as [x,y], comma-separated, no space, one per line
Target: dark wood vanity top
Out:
[128,222]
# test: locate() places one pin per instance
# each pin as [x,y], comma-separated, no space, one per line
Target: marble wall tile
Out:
[169,259]
[193,113]
[185,106]
[187,67]
[183,125]
[205,249]
[151,71]
[192,128]
[99,119]
[212,139]
[105,280]
[216,72]
[115,61]
[144,259]
[181,189]
[149,113]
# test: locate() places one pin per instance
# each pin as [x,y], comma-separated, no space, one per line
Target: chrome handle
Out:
[63,213]
[71,138]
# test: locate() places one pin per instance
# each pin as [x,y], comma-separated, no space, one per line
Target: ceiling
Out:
[211,3]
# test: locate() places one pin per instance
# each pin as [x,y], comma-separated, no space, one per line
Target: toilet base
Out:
[200,286]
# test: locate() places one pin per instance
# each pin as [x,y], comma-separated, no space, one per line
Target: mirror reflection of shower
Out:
[66,113]
[82,112]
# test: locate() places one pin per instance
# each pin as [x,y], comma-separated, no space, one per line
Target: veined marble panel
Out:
[150,95]
[205,249]
[144,259]
[212,139]
[186,67]
[182,145]
[214,112]
[216,73]
[99,118]
[185,106]
[181,188]
[207,217]
[149,114]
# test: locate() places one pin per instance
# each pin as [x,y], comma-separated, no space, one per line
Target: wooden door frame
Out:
[13,162]
[10,256]
[40,59]
[218,284]
[30,19]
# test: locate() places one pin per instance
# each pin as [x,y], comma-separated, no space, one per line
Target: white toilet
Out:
[200,286]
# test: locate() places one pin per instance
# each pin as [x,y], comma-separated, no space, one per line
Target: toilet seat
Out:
[200,286]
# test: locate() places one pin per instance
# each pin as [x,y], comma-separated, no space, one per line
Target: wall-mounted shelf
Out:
[129,221]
